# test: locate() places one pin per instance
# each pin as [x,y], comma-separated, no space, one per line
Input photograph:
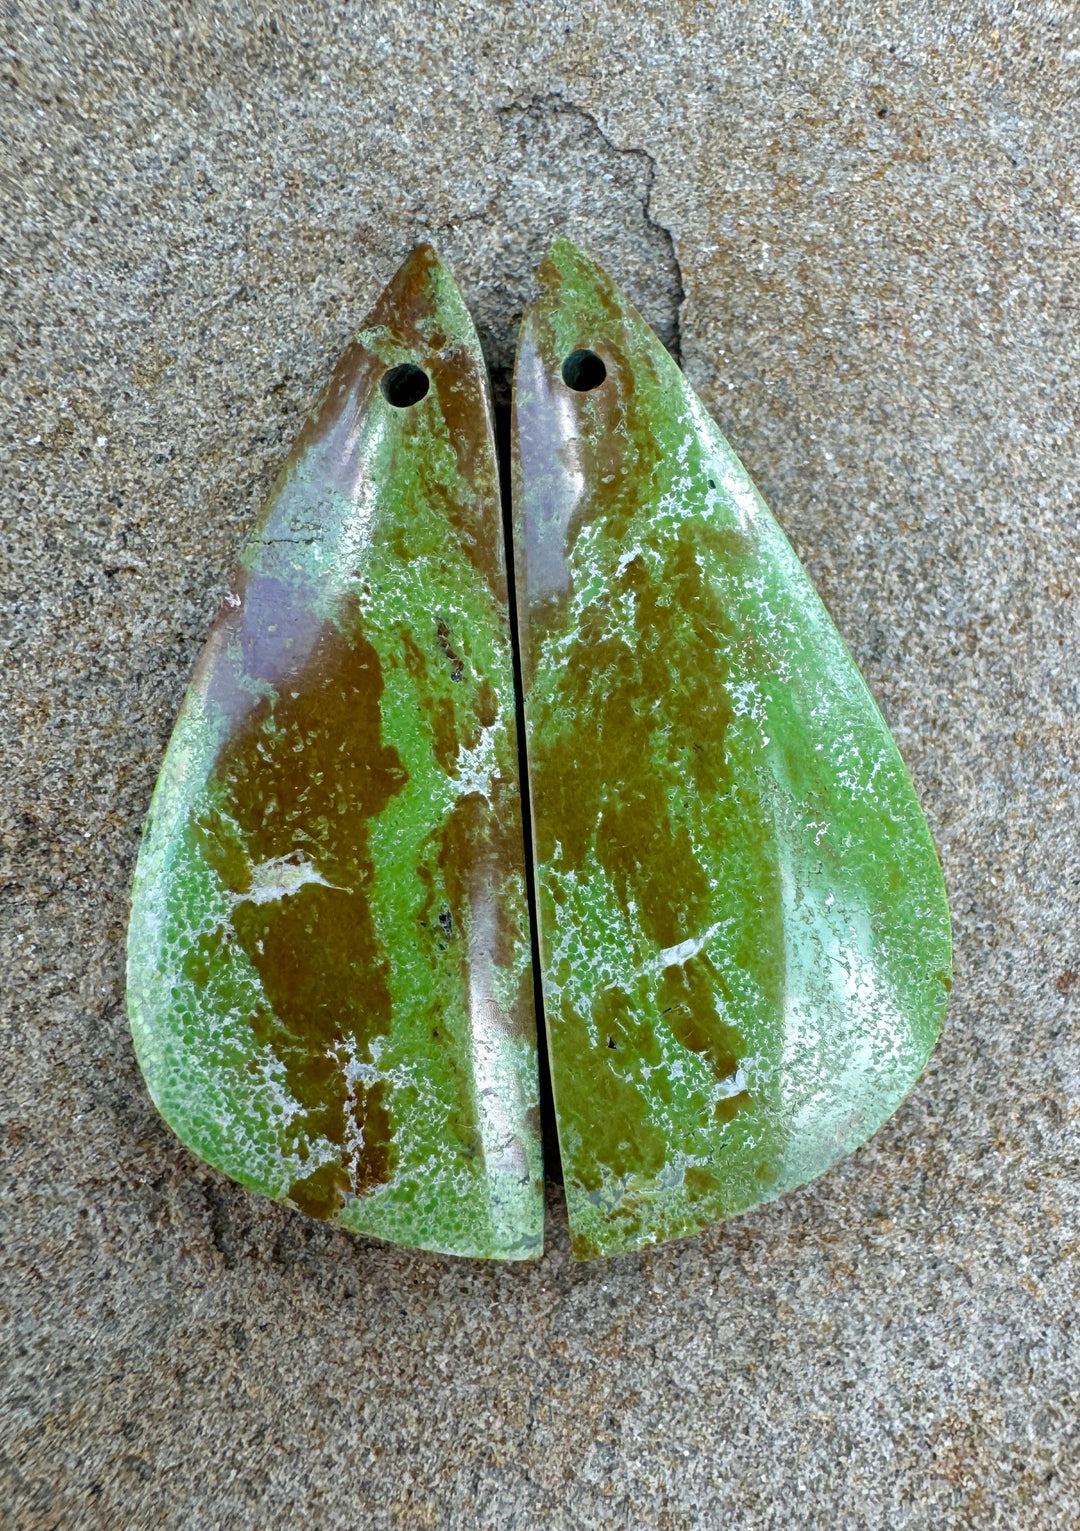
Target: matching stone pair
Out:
[740,922]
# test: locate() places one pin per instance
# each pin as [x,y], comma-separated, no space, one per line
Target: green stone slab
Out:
[744,937]
[329,958]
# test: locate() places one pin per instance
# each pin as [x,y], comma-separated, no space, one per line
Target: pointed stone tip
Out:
[422,260]
[564,258]
[424,254]
[579,305]
[422,287]
[562,247]
[570,274]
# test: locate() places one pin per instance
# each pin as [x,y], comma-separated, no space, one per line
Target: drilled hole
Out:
[583,371]
[404,385]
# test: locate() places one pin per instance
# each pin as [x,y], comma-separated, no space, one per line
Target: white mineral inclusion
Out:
[280,878]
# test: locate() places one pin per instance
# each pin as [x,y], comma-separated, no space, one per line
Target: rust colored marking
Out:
[298,786]
[457,664]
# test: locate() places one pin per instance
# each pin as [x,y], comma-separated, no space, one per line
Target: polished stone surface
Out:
[859,224]
[744,938]
[329,972]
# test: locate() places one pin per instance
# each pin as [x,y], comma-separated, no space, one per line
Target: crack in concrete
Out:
[553,104]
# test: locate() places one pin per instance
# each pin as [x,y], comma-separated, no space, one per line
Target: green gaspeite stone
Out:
[743,930]
[742,924]
[329,953]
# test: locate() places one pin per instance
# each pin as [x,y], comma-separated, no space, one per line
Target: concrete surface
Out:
[859,225]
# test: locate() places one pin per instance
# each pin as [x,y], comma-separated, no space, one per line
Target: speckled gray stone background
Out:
[861,232]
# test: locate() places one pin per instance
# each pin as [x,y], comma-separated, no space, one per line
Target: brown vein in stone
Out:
[607,785]
[298,785]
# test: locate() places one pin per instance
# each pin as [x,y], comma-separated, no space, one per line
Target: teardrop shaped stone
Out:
[329,954]
[743,930]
